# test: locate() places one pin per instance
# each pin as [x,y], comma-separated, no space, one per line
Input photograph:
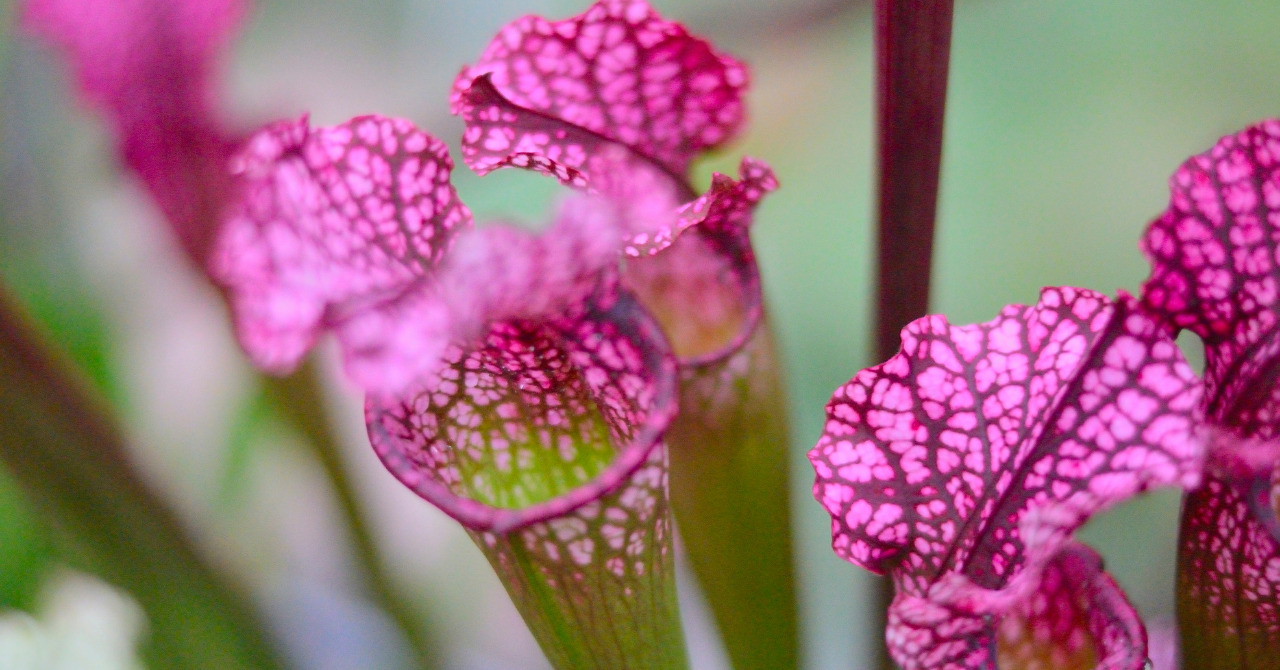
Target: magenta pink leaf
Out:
[1213,250]
[617,73]
[621,95]
[502,134]
[942,460]
[329,223]
[1214,271]
[726,209]
[149,65]
[706,288]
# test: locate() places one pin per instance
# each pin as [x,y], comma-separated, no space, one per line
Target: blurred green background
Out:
[1064,121]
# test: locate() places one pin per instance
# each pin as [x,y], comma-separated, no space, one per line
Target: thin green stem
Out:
[71,461]
[298,399]
[913,46]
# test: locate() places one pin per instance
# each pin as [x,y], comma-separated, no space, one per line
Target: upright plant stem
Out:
[913,45]
[298,399]
[71,461]
[730,485]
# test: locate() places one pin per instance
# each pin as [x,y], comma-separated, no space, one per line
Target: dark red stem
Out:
[913,46]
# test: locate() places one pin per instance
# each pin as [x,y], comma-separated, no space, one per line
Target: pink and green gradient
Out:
[544,441]
[620,90]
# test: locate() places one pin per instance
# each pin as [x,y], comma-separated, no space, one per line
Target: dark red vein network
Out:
[596,584]
[542,436]
[1228,582]
[510,433]
[562,98]
[1212,251]
[1215,272]
[1075,596]
[327,223]
[937,463]
[697,270]
[618,71]
[1074,617]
